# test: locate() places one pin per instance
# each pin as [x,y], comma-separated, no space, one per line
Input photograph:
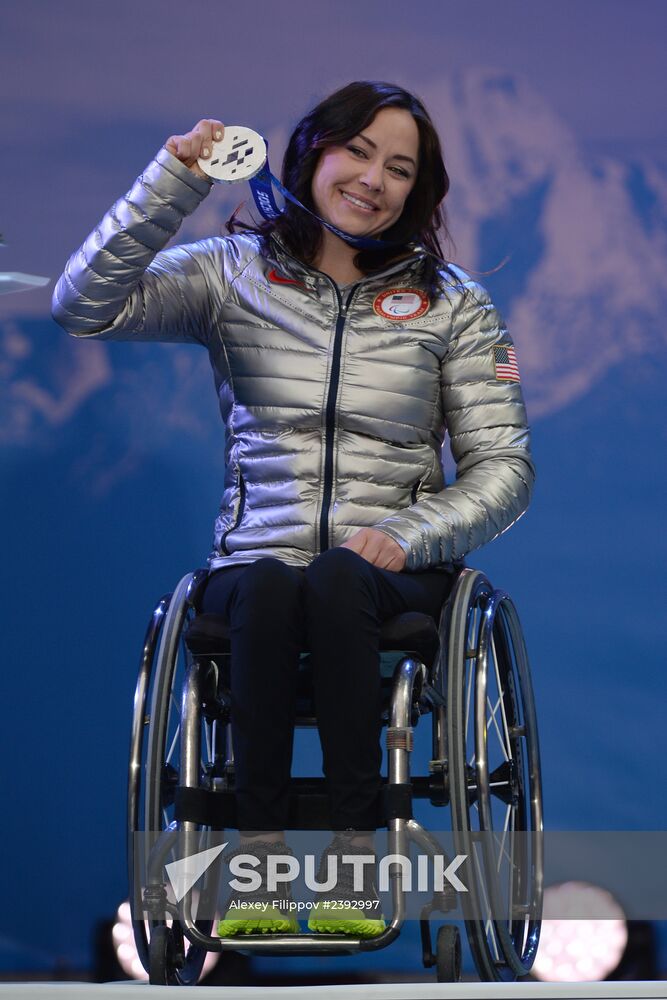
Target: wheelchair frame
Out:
[479,685]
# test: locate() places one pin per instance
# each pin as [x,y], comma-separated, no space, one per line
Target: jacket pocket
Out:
[237,520]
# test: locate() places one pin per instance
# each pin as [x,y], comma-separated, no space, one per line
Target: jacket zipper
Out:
[330,429]
[239,516]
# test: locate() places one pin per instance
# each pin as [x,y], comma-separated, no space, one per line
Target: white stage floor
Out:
[384,991]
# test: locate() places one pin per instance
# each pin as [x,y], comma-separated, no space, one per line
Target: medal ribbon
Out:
[261,186]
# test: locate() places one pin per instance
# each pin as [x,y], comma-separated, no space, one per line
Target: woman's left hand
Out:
[377,548]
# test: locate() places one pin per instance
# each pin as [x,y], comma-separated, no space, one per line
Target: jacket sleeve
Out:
[119,286]
[490,441]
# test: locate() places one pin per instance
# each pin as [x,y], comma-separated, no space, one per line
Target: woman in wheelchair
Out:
[339,367]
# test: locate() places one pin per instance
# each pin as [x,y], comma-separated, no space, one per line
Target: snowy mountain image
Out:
[584,247]
[113,453]
[584,287]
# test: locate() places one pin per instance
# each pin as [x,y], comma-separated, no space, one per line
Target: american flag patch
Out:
[504,360]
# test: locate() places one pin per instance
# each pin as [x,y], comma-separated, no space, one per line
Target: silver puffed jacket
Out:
[335,402]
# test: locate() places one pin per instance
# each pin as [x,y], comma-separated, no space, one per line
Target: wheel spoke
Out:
[502,850]
[502,694]
[488,923]
[173,744]
[502,842]
[208,736]
[492,718]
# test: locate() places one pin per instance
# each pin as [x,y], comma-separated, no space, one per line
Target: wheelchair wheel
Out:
[164,958]
[494,778]
[153,779]
[448,954]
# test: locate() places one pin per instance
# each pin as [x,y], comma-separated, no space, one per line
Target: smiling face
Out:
[361,187]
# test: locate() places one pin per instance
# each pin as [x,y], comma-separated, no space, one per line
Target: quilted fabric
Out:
[335,413]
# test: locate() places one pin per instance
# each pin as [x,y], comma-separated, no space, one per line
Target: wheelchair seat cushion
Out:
[412,632]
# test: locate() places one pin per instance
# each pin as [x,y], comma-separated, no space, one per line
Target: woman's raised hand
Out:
[189,147]
[377,548]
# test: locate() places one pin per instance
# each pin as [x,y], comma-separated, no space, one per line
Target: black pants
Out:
[333,609]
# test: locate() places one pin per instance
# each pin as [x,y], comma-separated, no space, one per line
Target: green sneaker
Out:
[344,909]
[259,912]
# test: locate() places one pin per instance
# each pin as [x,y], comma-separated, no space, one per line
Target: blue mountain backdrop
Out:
[112,459]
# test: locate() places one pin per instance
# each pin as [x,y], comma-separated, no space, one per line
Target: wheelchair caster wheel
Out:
[162,957]
[170,963]
[448,954]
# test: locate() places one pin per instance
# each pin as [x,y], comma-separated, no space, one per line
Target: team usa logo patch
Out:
[401,303]
[505,363]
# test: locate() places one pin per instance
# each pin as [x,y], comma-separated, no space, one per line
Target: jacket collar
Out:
[410,263]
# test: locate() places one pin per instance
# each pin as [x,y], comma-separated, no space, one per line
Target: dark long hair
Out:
[334,121]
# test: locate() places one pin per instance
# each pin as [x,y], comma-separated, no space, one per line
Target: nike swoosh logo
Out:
[280,280]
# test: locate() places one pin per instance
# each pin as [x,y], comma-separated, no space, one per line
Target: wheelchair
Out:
[469,671]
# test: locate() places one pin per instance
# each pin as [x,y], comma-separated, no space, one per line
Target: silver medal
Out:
[238,156]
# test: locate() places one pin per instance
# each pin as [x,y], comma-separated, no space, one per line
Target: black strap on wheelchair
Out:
[307,812]
[218,809]
[398,801]
[199,805]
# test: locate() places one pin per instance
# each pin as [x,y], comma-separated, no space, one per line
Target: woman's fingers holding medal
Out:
[198,142]
[377,548]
